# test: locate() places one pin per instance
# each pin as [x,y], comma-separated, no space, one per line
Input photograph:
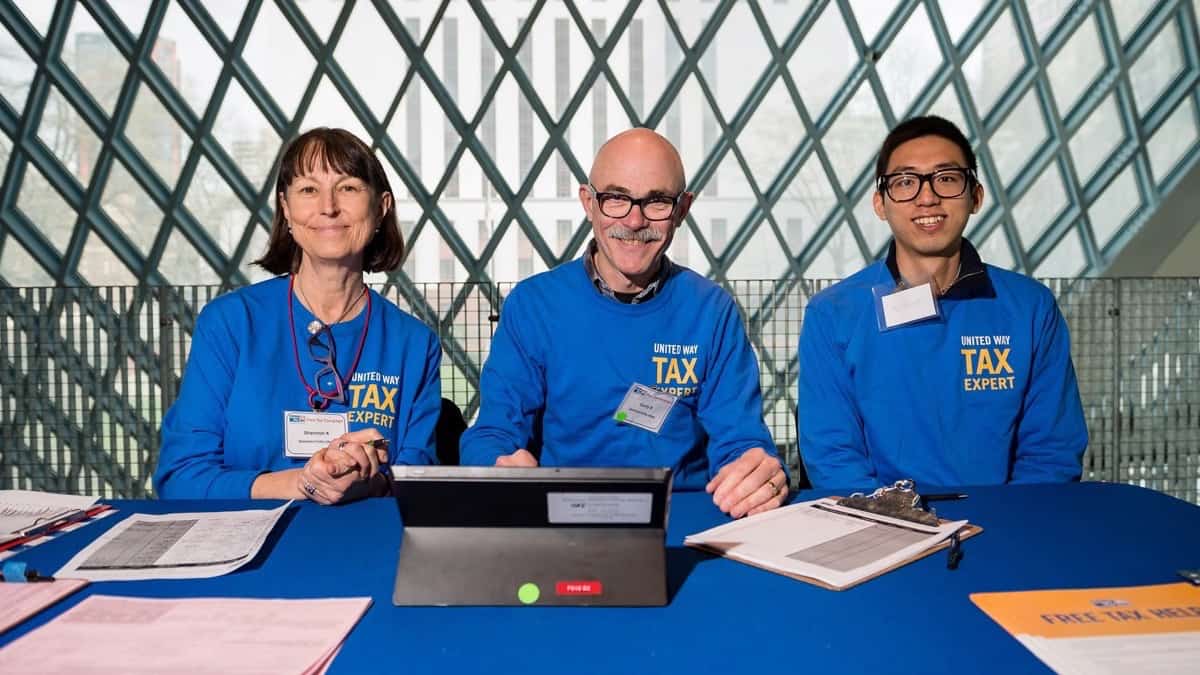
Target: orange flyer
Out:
[1142,628]
[1089,612]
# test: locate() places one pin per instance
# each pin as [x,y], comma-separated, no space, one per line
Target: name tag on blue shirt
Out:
[304,433]
[645,407]
[909,305]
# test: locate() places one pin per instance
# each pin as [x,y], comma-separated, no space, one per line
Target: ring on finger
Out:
[310,489]
[775,489]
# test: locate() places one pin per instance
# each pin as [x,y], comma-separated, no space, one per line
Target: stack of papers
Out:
[21,601]
[174,546]
[25,512]
[820,542]
[107,634]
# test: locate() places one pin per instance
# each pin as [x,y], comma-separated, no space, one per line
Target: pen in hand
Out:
[385,468]
[375,444]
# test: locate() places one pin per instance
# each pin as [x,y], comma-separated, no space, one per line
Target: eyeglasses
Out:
[329,387]
[618,205]
[945,183]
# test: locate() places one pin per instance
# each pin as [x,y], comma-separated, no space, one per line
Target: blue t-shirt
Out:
[564,357]
[227,425]
[984,395]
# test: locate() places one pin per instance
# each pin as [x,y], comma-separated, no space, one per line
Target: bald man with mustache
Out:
[622,358]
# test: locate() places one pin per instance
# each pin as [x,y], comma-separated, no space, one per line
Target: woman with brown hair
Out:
[308,385]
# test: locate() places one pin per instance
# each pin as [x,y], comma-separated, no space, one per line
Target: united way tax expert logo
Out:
[675,368]
[985,363]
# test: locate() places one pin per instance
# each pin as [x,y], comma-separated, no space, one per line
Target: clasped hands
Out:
[345,470]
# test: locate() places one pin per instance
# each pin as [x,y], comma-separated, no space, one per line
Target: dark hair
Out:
[916,127]
[343,152]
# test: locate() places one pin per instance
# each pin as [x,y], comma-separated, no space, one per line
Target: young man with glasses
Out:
[623,358]
[930,364]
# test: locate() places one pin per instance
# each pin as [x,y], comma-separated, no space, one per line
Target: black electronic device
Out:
[539,536]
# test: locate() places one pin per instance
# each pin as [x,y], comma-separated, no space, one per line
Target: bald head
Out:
[634,172]
[635,156]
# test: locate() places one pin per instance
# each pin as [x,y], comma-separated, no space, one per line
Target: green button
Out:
[528,593]
[621,415]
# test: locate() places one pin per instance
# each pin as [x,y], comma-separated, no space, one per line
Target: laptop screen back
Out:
[508,536]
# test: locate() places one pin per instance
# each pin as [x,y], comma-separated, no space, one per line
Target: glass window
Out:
[16,71]
[96,62]
[46,209]
[1076,66]
[278,58]
[823,60]
[1156,67]
[414,133]
[1113,208]
[1020,135]
[994,64]
[1066,260]
[1040,206]
[909,62]
[1172,140]
[1097,137]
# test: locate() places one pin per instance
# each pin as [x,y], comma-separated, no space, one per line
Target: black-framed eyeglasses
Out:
[327,382]
[904,186]
[618,205]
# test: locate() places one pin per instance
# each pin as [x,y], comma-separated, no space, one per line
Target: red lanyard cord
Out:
[315,395]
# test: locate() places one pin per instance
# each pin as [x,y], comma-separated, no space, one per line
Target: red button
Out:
[579,588]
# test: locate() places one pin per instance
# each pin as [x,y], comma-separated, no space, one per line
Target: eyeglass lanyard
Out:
[314,394]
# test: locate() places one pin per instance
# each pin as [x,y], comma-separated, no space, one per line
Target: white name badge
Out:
[304,433]
[906,306]
[645,407]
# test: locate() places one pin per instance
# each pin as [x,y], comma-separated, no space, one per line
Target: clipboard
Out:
[69,522]
[966,532]
[839,554]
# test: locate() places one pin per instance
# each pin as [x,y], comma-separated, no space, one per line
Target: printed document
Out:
[24,510]
[175,546]
[108,634]
[1135,629]
[818,540]
[21,601]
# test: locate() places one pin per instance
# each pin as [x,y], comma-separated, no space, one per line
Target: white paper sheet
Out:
[21,510]
[175,546]
[107,634]
[21,601]
[821,540]
[1157,653]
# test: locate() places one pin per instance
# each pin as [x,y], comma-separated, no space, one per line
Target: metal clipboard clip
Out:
[898,501]
[902,501]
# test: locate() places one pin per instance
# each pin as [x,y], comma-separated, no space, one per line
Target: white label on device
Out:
[631,508]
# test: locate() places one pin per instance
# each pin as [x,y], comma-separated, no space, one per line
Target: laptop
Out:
[542,536]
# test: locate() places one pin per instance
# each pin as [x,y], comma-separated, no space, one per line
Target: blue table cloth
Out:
[723,616]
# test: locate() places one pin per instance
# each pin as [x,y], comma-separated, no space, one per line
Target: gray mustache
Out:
[645,235]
